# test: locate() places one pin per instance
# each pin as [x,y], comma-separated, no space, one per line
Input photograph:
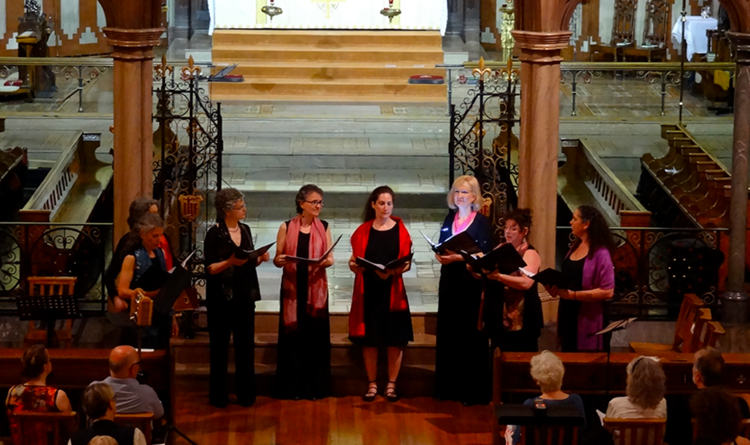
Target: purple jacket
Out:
[598,273]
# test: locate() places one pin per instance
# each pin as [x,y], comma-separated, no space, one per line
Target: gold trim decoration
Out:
[190,206]
[162,69]
[189,72]
[481,71]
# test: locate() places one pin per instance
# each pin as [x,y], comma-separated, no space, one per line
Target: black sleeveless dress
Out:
[303,366]
[567,312]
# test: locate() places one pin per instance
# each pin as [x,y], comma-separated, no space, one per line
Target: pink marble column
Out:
[539,141]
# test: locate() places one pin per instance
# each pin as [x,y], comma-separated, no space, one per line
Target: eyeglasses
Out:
[315,203]
[461,192]
[242,207]
[136,363]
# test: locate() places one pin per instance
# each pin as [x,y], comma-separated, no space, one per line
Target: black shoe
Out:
[390,392]
[372,392]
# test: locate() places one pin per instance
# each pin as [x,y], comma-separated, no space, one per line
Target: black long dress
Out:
[383,327]
[303,366]
[567,312]
[230,300]
[462,361]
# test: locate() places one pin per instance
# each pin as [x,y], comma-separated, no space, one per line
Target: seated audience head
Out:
[139,207]
[589,222]
[123,362]
[36,363]
[309,199]
[98,401]
[466,187]
[517,226]
[547,370]
[229,202]
[708,368]
[645,386]
[716,415]
[103,440]
[382,194]
[151,228]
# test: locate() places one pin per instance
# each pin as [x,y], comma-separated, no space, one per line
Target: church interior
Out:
[636,109]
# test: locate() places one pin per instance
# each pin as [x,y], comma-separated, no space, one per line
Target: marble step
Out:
[327,39]
[428,56]
[335,70]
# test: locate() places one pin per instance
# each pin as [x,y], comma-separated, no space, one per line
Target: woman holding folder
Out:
[590,276]
[514,317]
[462,364]
[303,368]
[380,315]
[231,292]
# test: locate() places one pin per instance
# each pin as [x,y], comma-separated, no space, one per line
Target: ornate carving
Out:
[623,26]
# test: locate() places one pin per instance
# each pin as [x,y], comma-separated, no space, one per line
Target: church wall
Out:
[77,26]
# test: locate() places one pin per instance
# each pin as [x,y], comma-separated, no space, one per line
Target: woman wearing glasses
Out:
[462,354]
[303,367]
[232,290]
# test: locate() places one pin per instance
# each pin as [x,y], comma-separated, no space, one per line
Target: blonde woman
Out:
[462,366]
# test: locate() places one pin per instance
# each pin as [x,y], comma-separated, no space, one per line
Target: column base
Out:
[734,308]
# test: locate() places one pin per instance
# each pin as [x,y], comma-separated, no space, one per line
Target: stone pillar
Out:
[735,300]
[472,29]
[455,18]
[539,141]
[133,151]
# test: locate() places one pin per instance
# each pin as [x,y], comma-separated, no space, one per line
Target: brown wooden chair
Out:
[744,428]
[636,431]
[142,421]
[623,30]
[656,28]
[51,286]
[683,327]
[33,427]
[714,331]
[549,435]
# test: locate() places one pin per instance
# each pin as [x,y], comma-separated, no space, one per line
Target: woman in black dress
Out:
[380,316]
[231,292]
[303,367]
[513,316]
[462,363]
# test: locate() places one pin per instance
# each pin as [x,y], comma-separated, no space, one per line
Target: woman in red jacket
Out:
[380,314]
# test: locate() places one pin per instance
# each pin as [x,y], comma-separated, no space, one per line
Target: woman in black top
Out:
[462,362]
[231,292]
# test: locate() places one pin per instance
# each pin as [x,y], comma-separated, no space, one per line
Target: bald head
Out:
[121,361]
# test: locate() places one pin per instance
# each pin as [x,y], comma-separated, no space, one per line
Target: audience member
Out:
[717,418]
[103,440]
[34,395]
[130,395]
[99,404]
[645,392]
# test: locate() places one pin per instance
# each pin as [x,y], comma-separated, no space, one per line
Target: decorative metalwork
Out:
[482,139]
[390,12]
[271,10]
[187,157]
[507,42]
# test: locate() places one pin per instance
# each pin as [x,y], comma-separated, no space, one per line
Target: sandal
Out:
[390,392]
[372,392]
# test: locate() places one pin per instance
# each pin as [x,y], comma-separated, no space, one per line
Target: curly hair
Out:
[646,380]
[522,217]
[547,370]
[225,200]
[473,184]
[34,359]
[716,415]
[369,212]
[302,194]
[138,208]
[598,231]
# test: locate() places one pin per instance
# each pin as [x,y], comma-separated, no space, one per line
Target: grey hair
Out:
[149,222]
[646,380]
[225,200]
[547,370]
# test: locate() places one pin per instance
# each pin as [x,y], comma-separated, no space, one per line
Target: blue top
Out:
[573,399]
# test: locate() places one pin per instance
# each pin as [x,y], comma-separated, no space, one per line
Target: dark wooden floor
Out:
[344,421]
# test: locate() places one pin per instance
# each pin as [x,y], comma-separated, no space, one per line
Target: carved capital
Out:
[133,44]
[541,47]
[741,46]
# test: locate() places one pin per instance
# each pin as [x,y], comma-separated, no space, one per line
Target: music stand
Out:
[606,333]
[48,308]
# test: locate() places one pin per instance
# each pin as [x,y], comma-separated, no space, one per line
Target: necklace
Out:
[236,229]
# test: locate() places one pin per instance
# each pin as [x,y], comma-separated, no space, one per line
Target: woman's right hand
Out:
[280,260]
[354,268]
[233,261]
[120,304]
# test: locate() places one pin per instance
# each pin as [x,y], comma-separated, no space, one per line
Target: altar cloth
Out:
[695,34]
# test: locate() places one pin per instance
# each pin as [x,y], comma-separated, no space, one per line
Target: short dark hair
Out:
[717,416]
[522,217]
[302,195]
[96,398]
[138,208]
[225,200]
[369,212]
[710,365]
[34,360]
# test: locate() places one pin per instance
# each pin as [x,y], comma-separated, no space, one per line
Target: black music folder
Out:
[178,279]
[457,243]
[550,277]
[369,265]
[314,260]
[504,258]
[252,255]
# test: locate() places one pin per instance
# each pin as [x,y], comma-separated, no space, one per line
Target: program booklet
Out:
[252,255]
[314,260]
[457,243]
[369,265]
[504,258]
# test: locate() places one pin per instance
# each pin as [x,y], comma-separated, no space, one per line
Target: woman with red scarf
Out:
[303,367]
[380,314]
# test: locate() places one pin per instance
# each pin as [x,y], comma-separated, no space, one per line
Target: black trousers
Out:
[236,318]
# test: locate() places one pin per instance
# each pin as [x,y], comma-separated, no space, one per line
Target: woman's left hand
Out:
[175,327]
